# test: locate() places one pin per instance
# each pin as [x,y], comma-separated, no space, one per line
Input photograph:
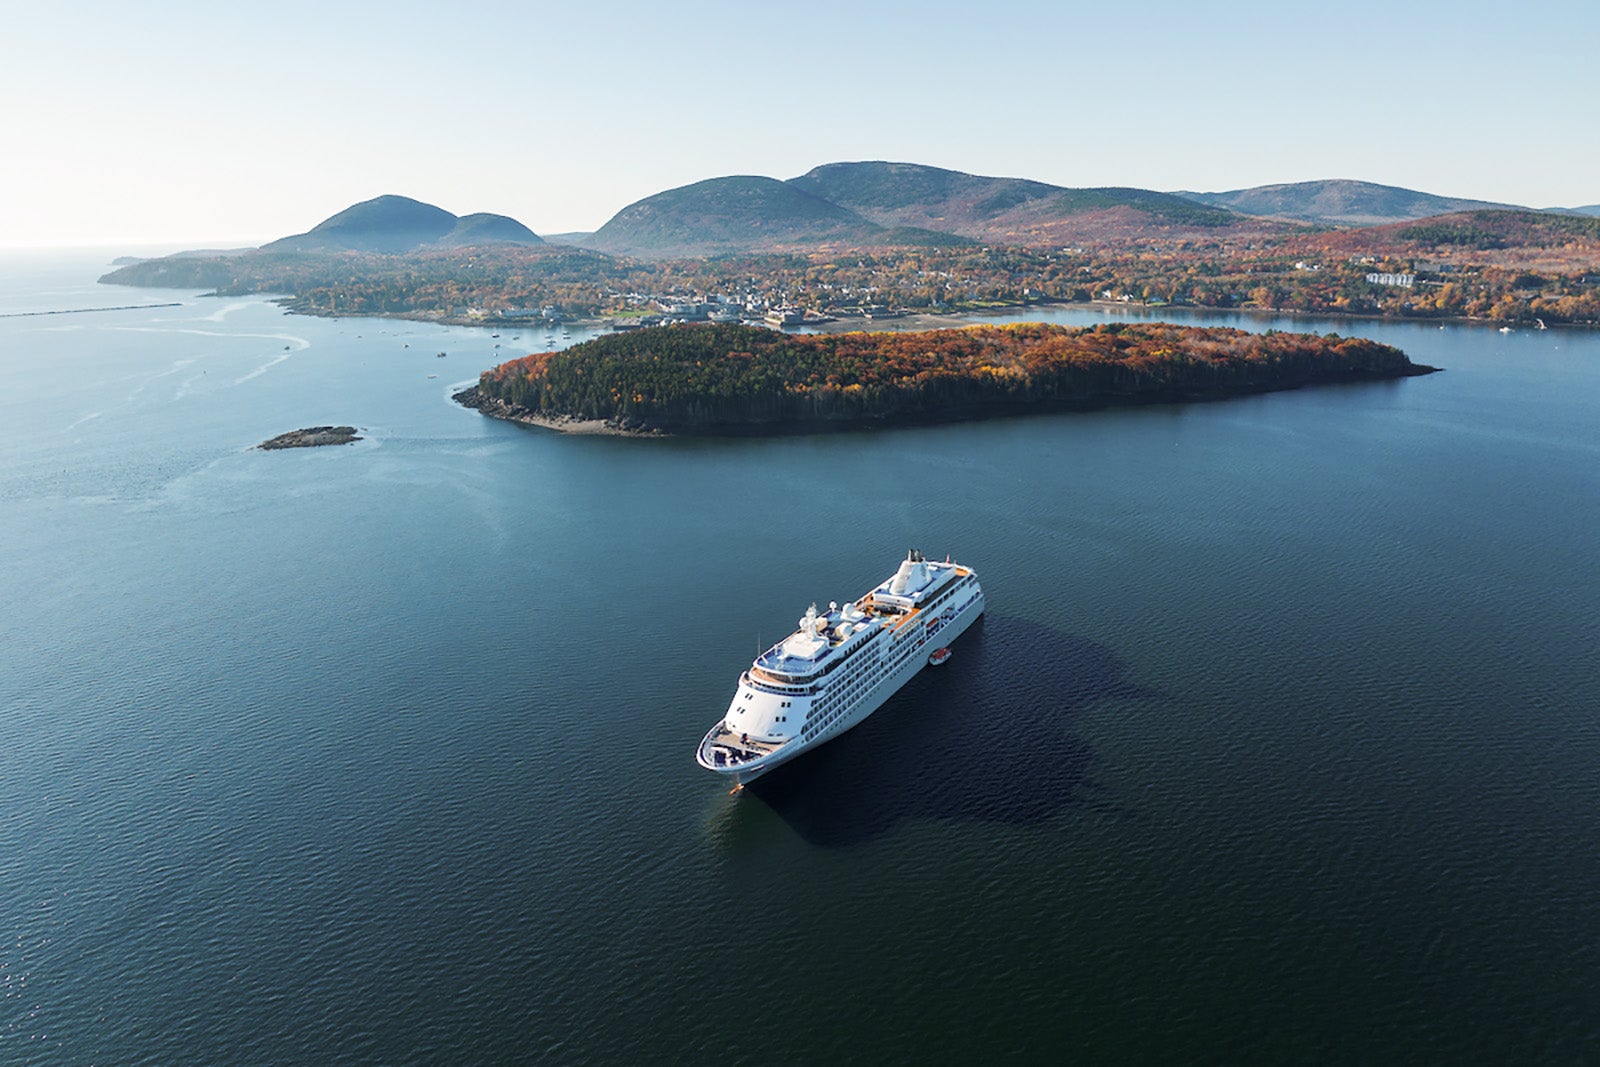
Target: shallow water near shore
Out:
[1279,740]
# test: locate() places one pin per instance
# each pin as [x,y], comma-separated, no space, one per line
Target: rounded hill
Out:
[394,224]
[484,228]
[1338,202]
[1008,210]
[383,224]
[900,194]
[733,214]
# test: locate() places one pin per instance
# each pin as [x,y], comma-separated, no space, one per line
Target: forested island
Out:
[747,380]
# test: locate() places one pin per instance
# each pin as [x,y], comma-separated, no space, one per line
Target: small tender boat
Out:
[1505,329]
[938,657]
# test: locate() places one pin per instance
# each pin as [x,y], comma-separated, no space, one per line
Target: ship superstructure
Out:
[839,666]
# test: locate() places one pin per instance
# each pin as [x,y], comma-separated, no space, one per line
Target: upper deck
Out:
[826,638]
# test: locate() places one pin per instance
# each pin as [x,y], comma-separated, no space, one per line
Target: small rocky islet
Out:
[311,437]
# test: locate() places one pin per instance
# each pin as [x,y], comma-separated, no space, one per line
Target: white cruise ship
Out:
[839,667]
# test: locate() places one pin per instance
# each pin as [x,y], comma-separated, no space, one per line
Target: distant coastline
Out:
[86,311]
[915,321]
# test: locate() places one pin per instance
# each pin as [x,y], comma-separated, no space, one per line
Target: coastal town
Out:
[880,290]
[641,310]
[398,257]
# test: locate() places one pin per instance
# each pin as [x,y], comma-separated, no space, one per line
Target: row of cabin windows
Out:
[841,685]
[844,691]
[900,657]
[827,707]
[837,703]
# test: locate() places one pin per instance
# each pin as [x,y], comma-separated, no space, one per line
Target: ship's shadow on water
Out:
[990,735]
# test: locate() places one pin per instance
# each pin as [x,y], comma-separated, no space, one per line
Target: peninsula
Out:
[713,380]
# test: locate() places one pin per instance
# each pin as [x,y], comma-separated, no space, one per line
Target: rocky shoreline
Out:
[495,408]
[498,409]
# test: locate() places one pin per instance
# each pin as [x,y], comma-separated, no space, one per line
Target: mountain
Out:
[400,224]
[486,229]
[910,194]
[1011,210]
[1339,202]
[735,214]
[885,204]
[1590,209]
[382,224]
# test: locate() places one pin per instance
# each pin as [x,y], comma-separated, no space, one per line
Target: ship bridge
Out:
[821,642]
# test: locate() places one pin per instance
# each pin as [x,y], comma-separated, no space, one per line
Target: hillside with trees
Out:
[1011,210]
[733,214]
[1338,202]
[760,244]
[1498,266]
[393,224]
[739,379]
[486,228]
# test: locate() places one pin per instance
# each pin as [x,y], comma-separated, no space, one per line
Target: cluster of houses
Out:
[755,310]
[544,316]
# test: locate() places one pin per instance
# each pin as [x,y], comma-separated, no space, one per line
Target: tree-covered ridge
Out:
[1010,210]
[733,214]
[1339,202]
[733,378]
[1161,207]
[393,224]
[1485,230]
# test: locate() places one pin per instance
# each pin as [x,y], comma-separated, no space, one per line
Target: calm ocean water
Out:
[1281,739]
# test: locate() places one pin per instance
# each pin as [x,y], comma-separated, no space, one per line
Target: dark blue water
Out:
[1279,741]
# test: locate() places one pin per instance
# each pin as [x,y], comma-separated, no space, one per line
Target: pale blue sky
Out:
[197,122]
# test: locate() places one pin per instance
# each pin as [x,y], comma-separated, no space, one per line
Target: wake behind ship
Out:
[839,667]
